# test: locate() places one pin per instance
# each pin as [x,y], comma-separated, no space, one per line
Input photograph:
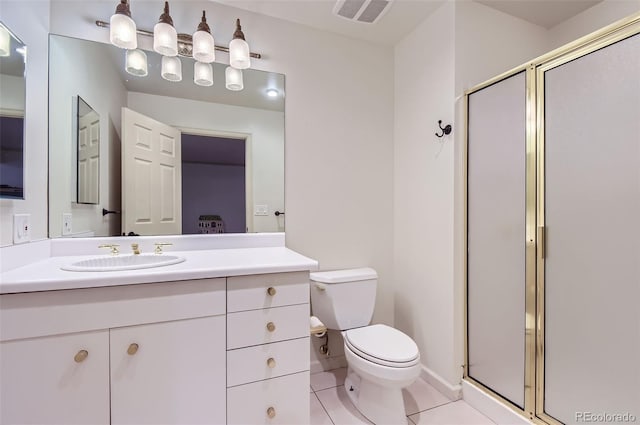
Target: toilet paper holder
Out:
[316,327]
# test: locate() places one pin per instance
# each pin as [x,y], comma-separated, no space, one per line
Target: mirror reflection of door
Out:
[88,154]
[151,176]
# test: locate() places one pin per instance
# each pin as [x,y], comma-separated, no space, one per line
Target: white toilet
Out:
[382,360]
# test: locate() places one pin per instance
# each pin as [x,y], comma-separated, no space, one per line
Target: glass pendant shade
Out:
[136,63]
[203,74]
[171,68]
[5,42]
[165,36]
[239,54]
[203,43]
[165,39]
[233,79]
[122,29]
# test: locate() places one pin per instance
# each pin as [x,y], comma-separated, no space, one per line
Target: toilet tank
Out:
[344,299]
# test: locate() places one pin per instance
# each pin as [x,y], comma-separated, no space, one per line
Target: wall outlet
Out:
[66,224]
[261,210]
[21,228]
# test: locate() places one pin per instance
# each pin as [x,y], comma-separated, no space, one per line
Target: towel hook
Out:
[445,131]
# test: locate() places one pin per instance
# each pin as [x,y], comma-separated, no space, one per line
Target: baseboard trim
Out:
[452,392]
[490,407]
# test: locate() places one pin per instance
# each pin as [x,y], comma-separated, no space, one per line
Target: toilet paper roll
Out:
[316,327]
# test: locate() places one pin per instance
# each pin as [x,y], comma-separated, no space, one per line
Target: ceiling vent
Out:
[366,11]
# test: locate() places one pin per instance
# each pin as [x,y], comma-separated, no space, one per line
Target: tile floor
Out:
[330,404]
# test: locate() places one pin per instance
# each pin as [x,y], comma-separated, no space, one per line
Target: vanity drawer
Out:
[286,398]
[267,290]
[267,361]
[248,328]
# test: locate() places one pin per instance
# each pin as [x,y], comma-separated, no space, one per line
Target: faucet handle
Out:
[112,247]
[159,246]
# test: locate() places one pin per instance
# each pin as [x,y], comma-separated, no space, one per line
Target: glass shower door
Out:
[592,251]
[496,209]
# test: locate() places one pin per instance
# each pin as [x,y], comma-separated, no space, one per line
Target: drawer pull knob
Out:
[271,291]
[271,413]
[133,349]
[271,327]
[271,362]
[81,356]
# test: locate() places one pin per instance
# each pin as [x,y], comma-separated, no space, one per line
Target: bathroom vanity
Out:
[222,337]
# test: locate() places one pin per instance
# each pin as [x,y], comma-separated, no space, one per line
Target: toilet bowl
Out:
[381,360]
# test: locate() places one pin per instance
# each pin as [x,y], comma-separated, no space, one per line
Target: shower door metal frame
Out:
[582,47]
[534,206]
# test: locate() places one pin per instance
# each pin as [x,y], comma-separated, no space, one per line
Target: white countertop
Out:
[46,275]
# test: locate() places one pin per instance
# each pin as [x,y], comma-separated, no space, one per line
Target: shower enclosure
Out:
[553,232]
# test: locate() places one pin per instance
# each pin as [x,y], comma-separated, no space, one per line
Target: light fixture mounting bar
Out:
[182,38]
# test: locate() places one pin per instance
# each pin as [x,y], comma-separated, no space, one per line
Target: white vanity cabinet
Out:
[136,354]
[268,349]
[169,372]
[209,351]
[61,379]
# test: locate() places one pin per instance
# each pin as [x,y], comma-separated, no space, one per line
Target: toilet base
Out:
[381,405]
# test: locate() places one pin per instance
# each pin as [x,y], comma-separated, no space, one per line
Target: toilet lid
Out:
[383,344]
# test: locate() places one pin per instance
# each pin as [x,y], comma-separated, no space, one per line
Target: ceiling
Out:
[403,15]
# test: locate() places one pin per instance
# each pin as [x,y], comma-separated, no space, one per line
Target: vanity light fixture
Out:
[239,56]
[203,74]
[171,68]
[122,28]
[233,79]
[203,43]
[170,45]
[5,41]
[272,93]
[136,63]
[165,36]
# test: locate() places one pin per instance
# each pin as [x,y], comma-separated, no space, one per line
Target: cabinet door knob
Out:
[271,291]
[271,327]
[271,362]
[81,356]
[271,413]
[133,348]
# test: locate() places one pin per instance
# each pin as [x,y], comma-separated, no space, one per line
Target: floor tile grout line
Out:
[324,408]
[433,407]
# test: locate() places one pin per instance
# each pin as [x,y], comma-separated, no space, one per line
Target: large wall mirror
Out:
[223,150]
[13,54]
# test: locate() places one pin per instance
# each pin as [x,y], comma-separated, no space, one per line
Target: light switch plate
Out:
[261,210]
[67,224]
[21,228]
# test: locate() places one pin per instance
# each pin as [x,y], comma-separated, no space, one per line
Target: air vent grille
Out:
[366,11]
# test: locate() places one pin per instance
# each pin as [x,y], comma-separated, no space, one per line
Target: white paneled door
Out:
[88,159]
[151,176]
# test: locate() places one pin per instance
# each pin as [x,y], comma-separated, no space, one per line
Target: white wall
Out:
[423,189]
[13,91]
[266,129]
[459,46]
[99,85]
[30,22]
[592,19]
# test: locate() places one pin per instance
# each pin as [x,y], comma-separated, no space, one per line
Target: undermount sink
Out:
[122,262]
